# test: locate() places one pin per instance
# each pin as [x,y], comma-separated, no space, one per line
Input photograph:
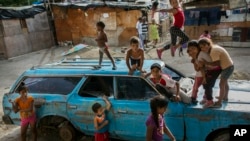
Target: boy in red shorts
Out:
[100,120]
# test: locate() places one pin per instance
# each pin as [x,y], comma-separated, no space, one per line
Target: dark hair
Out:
[134,40]
[193,43]
[155,65]
[157,102]
[96,106]
[21,87]
[100,24]
[205,41]
[206,31]
[140,18]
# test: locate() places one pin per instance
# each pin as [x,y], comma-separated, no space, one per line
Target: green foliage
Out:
[16,2]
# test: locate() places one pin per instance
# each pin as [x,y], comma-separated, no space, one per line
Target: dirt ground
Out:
[12,68]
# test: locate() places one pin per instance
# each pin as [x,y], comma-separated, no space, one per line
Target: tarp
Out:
[22,14]
[88,4]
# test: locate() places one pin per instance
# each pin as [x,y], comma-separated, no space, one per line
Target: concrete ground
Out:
[10,69]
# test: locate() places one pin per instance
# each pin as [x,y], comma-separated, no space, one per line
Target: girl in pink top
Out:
[156,126]
[175,30]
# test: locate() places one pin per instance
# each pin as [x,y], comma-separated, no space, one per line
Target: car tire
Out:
[67,133]
[223,135]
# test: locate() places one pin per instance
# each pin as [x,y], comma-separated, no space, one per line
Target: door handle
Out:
[72,106]
[122,111]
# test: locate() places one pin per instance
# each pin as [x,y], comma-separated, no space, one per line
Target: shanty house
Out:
[76,21]
[24,30]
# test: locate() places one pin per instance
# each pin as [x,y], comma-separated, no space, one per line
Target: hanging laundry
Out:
[206,15]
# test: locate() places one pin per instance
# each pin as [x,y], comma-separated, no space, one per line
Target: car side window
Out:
[134,88]
[96,86]
[51,85]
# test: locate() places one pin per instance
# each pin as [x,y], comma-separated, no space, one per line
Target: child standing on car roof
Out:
[24,104]
[156,126]
[101,42]
[135,56]
[206,74]
[220,57]
[100,120]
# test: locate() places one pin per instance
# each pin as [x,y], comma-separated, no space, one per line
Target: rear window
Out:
[51,85]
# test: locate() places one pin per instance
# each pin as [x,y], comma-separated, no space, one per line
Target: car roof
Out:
[85,66]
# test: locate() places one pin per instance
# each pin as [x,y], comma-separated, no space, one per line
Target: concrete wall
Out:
[33,36]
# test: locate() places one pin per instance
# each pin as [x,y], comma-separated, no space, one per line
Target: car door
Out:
[131,107]
[90,91]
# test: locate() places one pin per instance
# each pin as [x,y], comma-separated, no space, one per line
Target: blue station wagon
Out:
[65,91]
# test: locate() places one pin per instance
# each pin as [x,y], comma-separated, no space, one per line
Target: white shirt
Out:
[138,27]
[202,55]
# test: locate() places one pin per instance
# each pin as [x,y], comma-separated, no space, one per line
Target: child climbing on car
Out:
[157,77]
[100,120]
[135,56]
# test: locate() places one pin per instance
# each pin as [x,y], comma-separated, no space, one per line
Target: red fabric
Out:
[179,18]
[102,136]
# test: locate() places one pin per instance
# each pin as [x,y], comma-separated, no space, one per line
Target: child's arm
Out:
[127,59]
[177,91]
[204,81]
[147,75]
[214,63]
[102,37]
[169,133]
[196,66]
[141,60]
[101,126]
[149,133]
[14,106]
[108,105]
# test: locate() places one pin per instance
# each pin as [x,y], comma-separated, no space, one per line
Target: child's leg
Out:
[33,130]
[174,31]
[100,57]
[110,57]
[133,68]
[224,88]
[183,36]
[24,127]
[197,84]
[141,41]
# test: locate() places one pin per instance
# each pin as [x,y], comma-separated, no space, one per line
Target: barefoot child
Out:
[100,120]
[101,42]
[135,56]
[175,30]
[24,104]
[156,126]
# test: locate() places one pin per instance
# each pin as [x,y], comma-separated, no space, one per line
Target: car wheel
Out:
[223,135]
[67,133]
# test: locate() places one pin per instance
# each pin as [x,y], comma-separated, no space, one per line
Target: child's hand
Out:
[106,122]
[193,60]
[104,97]
[204,81]
[11,101]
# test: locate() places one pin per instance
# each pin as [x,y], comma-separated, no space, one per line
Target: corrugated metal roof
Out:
[89,4]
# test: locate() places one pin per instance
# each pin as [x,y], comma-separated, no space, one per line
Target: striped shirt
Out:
[144,27]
